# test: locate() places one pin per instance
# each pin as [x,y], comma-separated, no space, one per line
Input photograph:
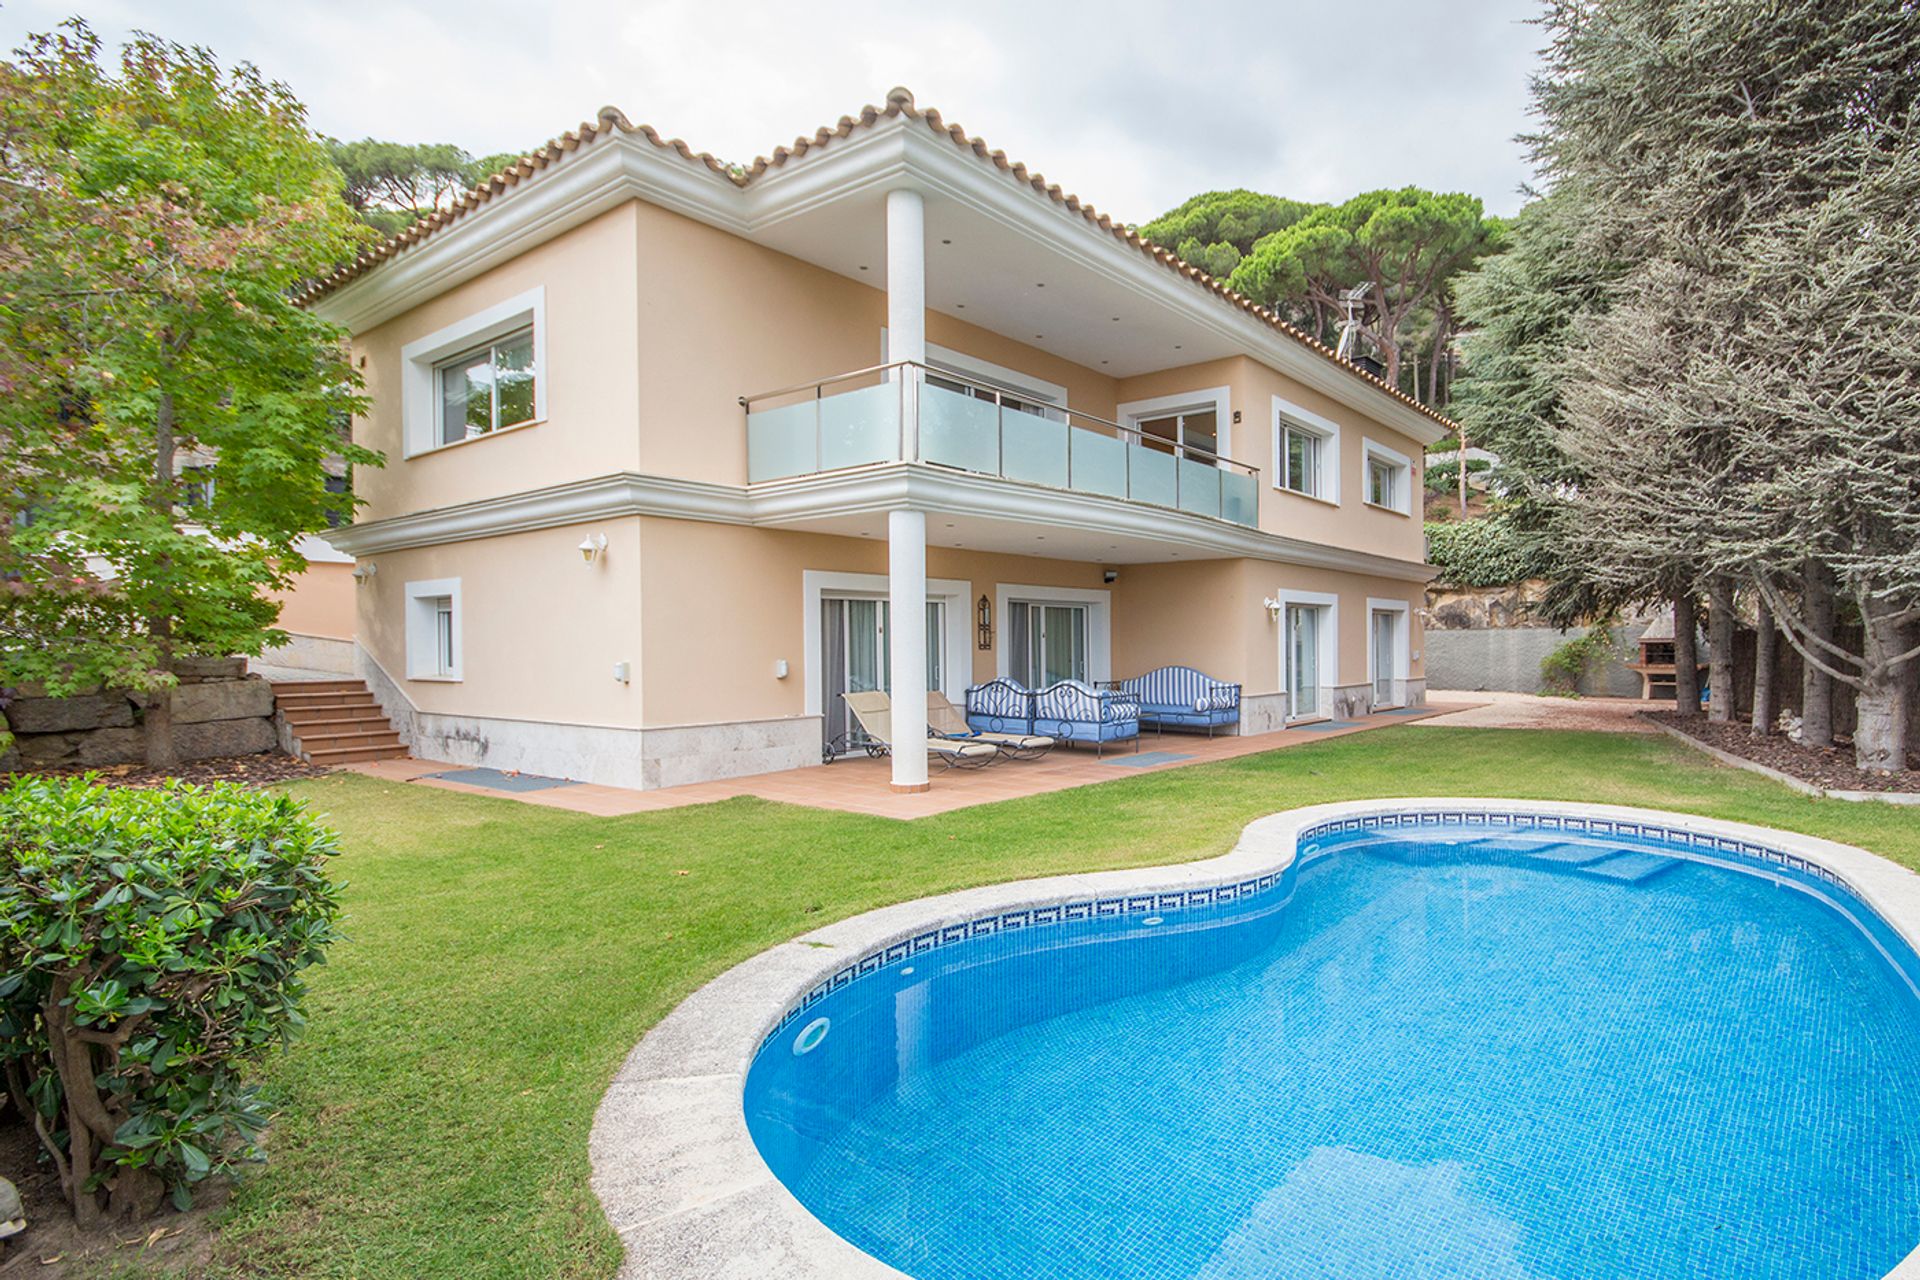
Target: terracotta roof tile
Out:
[899,103]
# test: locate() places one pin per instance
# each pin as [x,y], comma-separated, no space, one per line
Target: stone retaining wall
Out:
[218,710]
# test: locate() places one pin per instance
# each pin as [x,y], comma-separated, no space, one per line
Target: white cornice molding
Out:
[810,500]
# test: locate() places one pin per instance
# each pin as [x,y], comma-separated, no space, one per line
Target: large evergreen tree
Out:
[1404,245]
[1737,408]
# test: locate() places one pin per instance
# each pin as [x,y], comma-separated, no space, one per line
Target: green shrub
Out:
[151,947]
[1487,552]
[1562,670]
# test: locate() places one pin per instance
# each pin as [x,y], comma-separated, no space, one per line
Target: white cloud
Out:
[1132,105]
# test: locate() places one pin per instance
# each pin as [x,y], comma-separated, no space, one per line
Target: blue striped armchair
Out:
[1079,712]
[1183,698]
[1000,706]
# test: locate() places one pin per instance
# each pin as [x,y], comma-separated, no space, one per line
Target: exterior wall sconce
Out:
[364,570]
[1272,605]
[983,612]
[593,547]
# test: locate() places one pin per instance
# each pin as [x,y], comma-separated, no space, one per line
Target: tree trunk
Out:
[1764,645]
[1686,656]
[1816,686]
[1720,639]
[161,752]
[1880,735]
[1462,460]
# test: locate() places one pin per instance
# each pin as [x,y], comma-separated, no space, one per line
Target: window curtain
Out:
[1018,629]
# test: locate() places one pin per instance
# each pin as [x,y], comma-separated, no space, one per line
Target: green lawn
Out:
[504,958]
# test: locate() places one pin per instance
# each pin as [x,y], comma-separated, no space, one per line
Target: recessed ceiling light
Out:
[1040,284]
[1176,346]
[1116,319]
[863,268]
[1038,337]
[1103,362]
[946,242]
[959,306]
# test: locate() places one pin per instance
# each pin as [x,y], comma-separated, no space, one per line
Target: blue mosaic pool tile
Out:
[1277,1110]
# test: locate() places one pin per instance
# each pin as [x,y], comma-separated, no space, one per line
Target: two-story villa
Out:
[679,453]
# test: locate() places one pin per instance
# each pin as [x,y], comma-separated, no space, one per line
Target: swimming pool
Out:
[1522,1045]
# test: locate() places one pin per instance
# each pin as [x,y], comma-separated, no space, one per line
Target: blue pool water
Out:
[1434,1054]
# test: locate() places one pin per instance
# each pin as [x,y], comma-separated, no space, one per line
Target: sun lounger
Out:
[874,711]
[945,719]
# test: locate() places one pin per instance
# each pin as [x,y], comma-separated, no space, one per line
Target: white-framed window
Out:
[434,644]
[1306,452]
[487,389]
[985,380]
[1389,477]
[1194,424]
[477,377]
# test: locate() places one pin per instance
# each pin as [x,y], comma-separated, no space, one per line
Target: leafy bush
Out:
[1487,552]
[151,947]
[1562,670]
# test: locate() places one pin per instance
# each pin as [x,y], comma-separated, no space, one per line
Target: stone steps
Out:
[336,721]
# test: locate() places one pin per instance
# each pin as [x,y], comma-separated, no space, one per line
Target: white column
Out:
[907,305]
[907,642]
[906,276]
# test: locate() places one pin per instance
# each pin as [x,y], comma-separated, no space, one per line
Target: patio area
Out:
[860,784]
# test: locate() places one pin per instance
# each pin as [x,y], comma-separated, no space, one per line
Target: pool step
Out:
[1628,867]
[1573,855]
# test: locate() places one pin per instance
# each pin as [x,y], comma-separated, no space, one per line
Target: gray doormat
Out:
[494,780]
[1146,759]
[1325,726]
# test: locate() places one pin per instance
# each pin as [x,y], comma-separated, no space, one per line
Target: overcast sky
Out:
[1132,105]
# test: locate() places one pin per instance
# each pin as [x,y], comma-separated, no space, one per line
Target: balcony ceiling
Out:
[989,274]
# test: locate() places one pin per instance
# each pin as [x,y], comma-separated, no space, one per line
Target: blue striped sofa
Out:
[1180,697]
[1068,711]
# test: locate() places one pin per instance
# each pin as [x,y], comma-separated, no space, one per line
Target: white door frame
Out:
[954,593]
[1099,623]
[1328,644]
[1400,662]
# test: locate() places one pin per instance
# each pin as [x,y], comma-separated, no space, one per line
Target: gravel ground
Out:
[1530,711]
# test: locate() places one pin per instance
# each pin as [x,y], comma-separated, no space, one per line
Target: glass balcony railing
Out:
[908,411]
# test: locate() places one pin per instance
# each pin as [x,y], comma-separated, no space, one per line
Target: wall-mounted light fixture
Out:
[1272,604]
[364,570]
[1110,576]
[983,615]
[593,547]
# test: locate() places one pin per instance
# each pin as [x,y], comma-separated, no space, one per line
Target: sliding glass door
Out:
[1047,643]
[856,657]
[1303,661]
[1386,655]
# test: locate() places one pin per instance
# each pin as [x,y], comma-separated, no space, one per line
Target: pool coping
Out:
[680,1179]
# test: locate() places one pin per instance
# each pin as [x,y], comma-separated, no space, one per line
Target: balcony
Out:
[908,412]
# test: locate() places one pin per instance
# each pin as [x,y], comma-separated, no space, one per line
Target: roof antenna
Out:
[1353,297]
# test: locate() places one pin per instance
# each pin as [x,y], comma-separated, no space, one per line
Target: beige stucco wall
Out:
[708,662]
[1252,386]
[704,611]
[1209,614]
[540,629]
[319,603]
[657,324]
[592,392]
[722,317]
